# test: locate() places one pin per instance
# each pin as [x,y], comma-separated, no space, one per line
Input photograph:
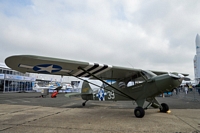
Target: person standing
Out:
[186,88]
[190,87]
[198,88]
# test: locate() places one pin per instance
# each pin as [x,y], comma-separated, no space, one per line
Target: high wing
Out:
[47,65]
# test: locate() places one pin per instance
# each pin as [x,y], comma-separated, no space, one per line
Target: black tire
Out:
[139,112]
[83,104]
[164,107]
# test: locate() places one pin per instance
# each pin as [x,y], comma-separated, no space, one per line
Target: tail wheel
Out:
[84,103]
[164,107]
[139,112]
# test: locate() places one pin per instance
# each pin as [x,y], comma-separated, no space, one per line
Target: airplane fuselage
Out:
[150,88]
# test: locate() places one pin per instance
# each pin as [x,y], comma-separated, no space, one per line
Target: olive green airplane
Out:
[128,84]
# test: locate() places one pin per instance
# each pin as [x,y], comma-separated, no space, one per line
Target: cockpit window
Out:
[148,74]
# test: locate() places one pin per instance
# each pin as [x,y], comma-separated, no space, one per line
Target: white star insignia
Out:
[48,69]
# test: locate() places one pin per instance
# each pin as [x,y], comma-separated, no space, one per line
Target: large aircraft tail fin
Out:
[86,89]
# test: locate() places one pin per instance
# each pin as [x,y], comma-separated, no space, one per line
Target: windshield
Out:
[148,74]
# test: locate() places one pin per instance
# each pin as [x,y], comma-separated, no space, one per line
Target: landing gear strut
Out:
[83,104]
[139,112]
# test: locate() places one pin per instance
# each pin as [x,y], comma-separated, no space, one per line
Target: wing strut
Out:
[106,83]
[95,84]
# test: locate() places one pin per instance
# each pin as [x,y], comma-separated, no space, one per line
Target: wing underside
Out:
[54,66]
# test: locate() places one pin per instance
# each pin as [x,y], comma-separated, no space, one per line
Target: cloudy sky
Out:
[154,34]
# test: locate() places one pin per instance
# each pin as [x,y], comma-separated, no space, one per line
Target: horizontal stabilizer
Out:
[76,95]
[69,95]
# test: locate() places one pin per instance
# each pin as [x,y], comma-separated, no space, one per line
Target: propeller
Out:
[177,75]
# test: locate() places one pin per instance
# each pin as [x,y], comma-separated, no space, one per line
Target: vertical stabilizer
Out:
[86,89]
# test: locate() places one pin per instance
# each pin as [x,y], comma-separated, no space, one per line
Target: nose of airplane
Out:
[176,75]
[167,82]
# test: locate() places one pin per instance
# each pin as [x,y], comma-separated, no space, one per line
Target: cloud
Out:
[156,35]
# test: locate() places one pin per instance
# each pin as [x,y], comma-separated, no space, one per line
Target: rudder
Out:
[86,89]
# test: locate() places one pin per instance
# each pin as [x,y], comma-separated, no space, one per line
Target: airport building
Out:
[14,81]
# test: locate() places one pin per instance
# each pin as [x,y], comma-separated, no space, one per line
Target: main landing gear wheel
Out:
[139,112]
[164,107]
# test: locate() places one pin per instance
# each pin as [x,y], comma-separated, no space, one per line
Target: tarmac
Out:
[28,113]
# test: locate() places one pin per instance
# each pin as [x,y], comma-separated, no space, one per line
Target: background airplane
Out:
[55,88]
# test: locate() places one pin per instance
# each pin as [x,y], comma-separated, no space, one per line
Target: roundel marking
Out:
[47,68]
[101,94]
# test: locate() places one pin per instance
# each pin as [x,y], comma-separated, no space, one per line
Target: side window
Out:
[144,75]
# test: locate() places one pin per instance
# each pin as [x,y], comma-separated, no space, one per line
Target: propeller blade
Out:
[178,76]
[173,75]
